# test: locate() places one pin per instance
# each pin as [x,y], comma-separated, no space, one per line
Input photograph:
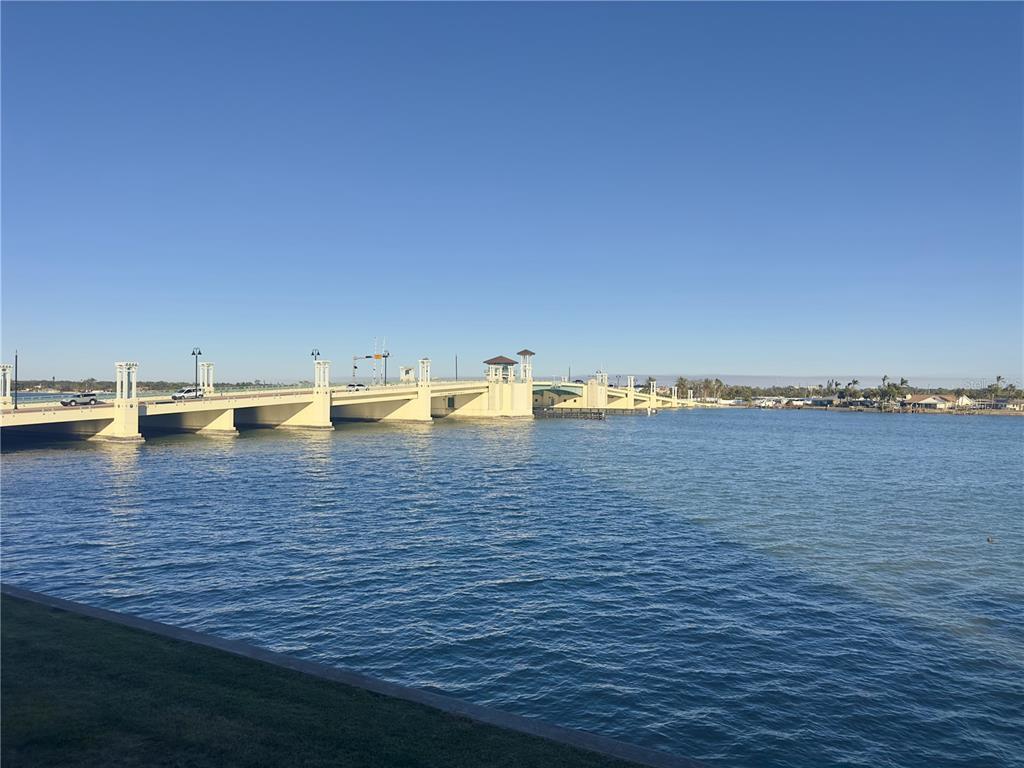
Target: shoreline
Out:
[64,660]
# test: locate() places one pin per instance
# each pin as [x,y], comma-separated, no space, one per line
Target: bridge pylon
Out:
[124,427]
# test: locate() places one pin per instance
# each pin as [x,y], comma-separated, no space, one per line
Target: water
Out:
[743,587]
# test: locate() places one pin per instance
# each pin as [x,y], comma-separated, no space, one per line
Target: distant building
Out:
[931,402]
[825,402]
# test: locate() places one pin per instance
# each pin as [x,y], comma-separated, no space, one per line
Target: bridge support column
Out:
[631,392]
[316,415]
[221,424]
[595,395]
[509,398]
[124,428]
[6,398]
[417,408]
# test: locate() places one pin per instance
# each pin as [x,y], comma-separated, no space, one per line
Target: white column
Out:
[630,382]
[424,378]
[526,366]
[322,374]
[126,379]
[5,383]
[206,377]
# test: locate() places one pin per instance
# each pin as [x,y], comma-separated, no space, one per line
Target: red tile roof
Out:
[500,360]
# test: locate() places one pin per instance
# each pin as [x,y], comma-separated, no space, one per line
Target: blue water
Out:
[744,587]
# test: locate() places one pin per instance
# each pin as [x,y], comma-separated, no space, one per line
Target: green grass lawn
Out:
[85,692]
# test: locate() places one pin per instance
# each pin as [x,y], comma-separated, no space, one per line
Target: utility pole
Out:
[456,367]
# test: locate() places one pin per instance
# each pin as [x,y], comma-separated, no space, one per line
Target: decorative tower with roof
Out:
[526,364]
[501,369]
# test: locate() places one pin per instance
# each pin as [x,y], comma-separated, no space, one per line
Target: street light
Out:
[196,352]
[315,354]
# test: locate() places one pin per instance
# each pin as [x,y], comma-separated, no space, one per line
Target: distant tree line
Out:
[888,390]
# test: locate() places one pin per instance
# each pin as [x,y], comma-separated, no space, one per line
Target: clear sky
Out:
[776,189]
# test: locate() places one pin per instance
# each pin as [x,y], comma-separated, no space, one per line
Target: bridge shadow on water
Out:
[783,664]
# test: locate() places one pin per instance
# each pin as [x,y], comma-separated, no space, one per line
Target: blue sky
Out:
[774,189]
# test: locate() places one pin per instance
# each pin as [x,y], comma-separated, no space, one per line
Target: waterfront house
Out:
[931,402]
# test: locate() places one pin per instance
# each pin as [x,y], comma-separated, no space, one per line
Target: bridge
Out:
[504,392]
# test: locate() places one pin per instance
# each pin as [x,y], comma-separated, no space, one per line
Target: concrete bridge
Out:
[504,392]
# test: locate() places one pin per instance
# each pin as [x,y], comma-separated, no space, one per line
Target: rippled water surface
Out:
[747,588]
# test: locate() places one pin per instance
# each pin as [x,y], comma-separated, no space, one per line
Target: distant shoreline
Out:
[903,412]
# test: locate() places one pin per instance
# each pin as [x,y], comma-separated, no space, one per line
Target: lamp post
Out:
[315,354]
[15,379]
[196,352]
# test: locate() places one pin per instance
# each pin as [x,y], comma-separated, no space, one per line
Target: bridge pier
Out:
[630,393]
[596,393]
[317,414]
[418,407]
[124,427]
[222,423]
[505,395]
[593,394]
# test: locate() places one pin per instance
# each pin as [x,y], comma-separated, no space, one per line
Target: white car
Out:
[188,393]
[355,386]
[82,398]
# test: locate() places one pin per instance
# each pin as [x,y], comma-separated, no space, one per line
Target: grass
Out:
[85,692]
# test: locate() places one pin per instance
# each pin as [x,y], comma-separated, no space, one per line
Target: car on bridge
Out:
[81,398]
[355,386]
[188,393]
